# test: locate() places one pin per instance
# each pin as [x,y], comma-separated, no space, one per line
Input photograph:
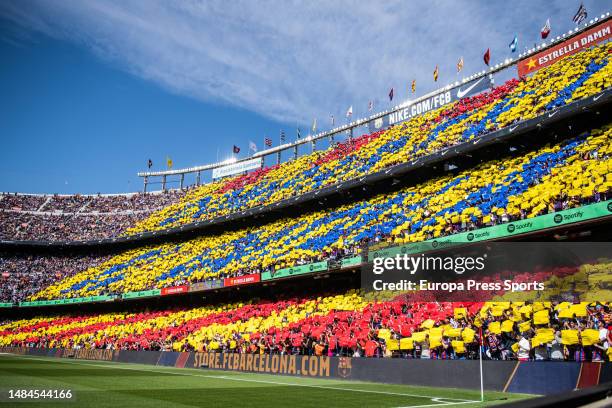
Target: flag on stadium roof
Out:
[236,149]
[150,163]
[413,85]
[299,133]
[333,121]
[514,43]
[460,64]
[282,136]
[370,106]
[268,142]
[435,74]
[252,146]
[546,29]
[580,15]
[349,112]
[314,126]
[391,94]
[169,162]
[487,56]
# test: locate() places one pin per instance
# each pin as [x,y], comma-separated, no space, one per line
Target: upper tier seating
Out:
[567,175]
[83,217]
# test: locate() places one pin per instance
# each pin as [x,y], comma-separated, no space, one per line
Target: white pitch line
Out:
[443,404]
[87,363]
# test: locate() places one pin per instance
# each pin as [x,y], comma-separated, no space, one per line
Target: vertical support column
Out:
[198,178]
[182,180]
[164,183]
[278,157]
[295,152]
[146,182]
[314,145]
[331,139]
[351,135]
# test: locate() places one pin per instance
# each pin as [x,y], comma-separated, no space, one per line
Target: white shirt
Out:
[524,347]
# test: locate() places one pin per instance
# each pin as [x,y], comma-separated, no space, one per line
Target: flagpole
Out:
[480,347]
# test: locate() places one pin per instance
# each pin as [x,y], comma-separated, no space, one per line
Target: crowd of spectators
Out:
[587,160]
[570,338]
[344,326]
[572,78]
[528,185]
[22,275]
[76,217]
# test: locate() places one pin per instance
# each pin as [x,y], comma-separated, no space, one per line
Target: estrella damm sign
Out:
[307,366]
[590,37]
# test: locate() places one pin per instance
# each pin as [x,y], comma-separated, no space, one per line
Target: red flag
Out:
[546,29]
[268,142]
[487,56]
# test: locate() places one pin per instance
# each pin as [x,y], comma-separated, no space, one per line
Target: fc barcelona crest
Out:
[344,367]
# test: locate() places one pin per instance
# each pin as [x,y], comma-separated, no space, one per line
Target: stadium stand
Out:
[22,274]
[553,178]
[348,324]
[570,79]
[76,217]
[278,285]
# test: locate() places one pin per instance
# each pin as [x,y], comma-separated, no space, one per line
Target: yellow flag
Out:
[428,324]
[569,337]
[495,327]
[523,327]
[507,326]
[579,309]
[468,335]
[458,346]
[589,337]
[460,312]
[541,317]
[406,343]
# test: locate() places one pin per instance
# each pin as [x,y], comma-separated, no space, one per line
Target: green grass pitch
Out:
[117,385]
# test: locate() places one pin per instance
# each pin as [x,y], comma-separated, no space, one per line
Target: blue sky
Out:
[92,89]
